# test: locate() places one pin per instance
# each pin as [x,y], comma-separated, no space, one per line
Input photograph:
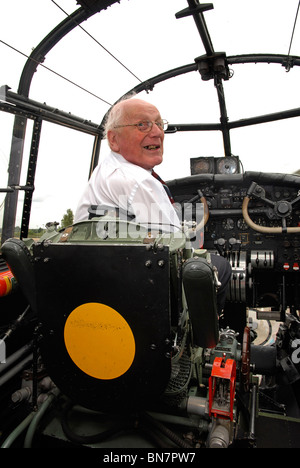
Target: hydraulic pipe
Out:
[18,368]
[253,412]
[38,416]
[15,356]
[18,431]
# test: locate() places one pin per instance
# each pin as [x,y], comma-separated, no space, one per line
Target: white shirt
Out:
[118,183]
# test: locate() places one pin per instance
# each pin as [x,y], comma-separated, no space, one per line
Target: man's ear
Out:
[112,138]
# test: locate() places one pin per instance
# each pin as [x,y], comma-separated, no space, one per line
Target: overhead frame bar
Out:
[25,107]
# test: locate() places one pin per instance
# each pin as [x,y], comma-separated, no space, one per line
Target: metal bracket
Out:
[192,11]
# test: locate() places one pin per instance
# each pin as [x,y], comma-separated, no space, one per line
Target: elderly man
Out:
[125,179]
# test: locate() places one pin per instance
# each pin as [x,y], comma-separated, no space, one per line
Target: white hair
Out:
[115,114]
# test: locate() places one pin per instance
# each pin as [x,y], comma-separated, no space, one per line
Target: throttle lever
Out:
[233,241]
[220,246]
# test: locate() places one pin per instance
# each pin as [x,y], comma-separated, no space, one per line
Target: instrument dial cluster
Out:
[226,222]
[272,201]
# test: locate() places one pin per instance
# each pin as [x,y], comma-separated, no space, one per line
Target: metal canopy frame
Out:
[24,109]
[37,56]
[212,65]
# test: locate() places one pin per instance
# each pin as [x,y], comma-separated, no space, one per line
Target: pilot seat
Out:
[116,304]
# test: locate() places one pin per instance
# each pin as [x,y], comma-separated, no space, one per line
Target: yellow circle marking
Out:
[99,341]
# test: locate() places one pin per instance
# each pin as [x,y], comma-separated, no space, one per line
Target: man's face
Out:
[142,149]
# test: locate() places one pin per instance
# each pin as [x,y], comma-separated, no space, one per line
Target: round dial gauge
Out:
[201,166]
[242,225]
[227,165]
[228,224]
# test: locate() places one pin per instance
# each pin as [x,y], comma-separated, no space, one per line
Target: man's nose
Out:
[156,129]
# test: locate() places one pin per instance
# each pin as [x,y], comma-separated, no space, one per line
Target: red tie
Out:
[164,186]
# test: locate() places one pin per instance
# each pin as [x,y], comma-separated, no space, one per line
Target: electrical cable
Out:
[147,425]
[15,324]
[288,65]
[101,45]
[55,73]
[88,439]
[65,78]
[18,431]
[33,425]
[295,22]
[167,432]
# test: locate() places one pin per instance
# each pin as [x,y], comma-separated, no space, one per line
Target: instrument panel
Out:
[265,250]
[212,165]
[227,229]
[226,221]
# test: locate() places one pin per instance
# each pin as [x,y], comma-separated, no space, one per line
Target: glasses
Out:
[145,126]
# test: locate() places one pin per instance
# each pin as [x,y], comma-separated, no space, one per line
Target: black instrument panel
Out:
[226,229]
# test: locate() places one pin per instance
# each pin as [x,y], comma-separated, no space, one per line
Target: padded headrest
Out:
[19,259]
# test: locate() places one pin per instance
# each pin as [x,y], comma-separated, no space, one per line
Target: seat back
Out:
[105,317]
[201,297]
[108,303]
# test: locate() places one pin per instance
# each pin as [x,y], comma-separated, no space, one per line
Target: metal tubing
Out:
[15,356]
[196,405]
[12,372]
[38,416]
[253,412]
[17,431]
[193,422]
